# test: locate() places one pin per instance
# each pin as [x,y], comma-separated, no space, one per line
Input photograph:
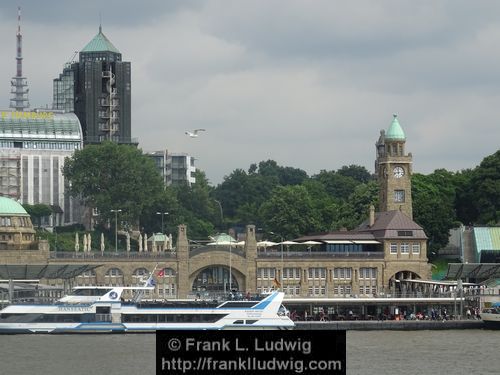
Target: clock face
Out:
[399,172]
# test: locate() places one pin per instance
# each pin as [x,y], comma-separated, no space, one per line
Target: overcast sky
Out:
[308,84]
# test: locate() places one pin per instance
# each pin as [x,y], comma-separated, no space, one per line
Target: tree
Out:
[290,212]
[112,176]
[337,185]
[38,211]
[357,172]
[434,206]
[485,184]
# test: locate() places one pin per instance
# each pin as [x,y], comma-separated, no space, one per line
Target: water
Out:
[453,352]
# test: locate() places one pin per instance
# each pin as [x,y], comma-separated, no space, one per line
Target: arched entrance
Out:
[214,279]
[400,284]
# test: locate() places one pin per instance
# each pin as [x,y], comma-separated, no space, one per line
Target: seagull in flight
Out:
[194,133]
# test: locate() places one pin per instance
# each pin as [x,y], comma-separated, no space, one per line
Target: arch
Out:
[114,277]
[86,278]
[139,276]
[214,279]
[399,288]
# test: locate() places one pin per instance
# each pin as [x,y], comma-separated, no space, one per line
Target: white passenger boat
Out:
[102,309]
[491,316]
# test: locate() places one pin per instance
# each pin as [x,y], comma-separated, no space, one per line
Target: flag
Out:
[276,283]
[161,273]
[151,282]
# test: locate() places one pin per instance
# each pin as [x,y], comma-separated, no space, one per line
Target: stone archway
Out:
[399,287]
[214,279]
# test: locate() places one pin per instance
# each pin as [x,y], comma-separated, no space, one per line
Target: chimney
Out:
[372,215]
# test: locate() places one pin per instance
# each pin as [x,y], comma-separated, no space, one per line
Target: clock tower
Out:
[393,168]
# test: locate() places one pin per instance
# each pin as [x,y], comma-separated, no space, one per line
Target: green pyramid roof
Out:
[395,130]
[100,44]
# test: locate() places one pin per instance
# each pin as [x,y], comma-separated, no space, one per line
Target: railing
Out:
[199,250]
[322,254]
[122,255]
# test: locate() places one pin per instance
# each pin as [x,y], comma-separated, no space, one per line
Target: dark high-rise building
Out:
[98,90]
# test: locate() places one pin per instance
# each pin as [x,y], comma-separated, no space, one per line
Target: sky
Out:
[309,84]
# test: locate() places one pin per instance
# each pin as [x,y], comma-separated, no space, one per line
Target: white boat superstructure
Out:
[102,309]
[491,316]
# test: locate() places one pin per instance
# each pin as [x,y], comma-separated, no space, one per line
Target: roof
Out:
[473,271]
[39,125]
[395,130]
[158,237]
[100,44]
[39,271]
[487,238]
[11,207]
[388,224]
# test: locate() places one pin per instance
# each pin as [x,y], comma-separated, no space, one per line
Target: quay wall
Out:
[402,325]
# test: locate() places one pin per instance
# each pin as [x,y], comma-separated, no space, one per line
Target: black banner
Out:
[250,352]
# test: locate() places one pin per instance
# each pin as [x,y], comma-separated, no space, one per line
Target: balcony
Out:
[321,254]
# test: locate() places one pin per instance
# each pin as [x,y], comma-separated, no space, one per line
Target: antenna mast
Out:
[19,85]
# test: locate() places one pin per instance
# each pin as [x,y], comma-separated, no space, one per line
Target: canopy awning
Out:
[473,271]
[43,271]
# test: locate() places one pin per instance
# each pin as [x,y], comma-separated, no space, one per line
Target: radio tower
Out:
[19,85]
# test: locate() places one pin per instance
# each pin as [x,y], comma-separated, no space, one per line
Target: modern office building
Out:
[97,89]
[33,149]
[175,168]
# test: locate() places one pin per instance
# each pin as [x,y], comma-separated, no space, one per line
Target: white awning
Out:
[366,242]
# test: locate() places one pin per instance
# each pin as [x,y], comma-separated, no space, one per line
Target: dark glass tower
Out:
[98,90]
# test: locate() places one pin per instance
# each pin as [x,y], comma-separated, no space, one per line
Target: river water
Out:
[451,352]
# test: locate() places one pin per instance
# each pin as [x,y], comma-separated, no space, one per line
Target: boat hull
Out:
[491,321]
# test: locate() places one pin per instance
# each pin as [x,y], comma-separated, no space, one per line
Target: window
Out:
[342,273]
[368,273]
[405,233]
[317,273]
[405,248]
[291,273]
[266,273]
[415,248]
[399,196]
[394,248]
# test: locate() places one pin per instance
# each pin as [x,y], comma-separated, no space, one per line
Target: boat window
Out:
[90,292]
[251,321]
[238,322]
[172,318]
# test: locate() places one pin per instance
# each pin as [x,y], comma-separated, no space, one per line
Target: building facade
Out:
[366,262]
[174,168]
[97,89]
[33,149]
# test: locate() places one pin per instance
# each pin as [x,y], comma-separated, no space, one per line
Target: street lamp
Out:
[116,228]
[162,213]
[281,250]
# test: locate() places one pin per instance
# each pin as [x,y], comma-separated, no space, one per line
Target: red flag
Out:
[161,273]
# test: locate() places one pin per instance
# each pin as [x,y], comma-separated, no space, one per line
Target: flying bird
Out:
[194,133]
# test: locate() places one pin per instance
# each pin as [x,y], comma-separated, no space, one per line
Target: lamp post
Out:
[281,250]
[116,228]
[162,213]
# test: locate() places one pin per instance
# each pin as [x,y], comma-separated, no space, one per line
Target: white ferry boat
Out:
[491,316]
[102,309]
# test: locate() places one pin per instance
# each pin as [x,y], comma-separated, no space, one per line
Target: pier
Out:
[402,325]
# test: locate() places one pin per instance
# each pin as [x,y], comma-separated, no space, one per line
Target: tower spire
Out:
[19,85]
